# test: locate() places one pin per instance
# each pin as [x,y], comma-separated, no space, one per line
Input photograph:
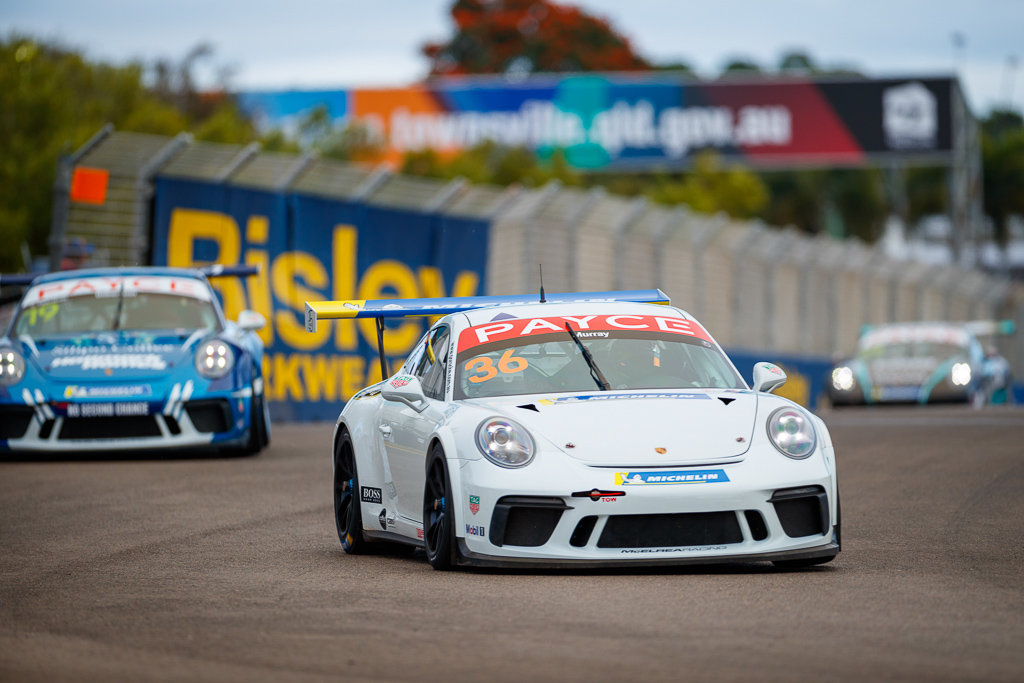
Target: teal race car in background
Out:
[130,359]
[923,363]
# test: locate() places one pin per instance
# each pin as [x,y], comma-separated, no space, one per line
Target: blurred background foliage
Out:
[52,99]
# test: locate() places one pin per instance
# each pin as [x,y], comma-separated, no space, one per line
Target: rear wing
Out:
[406,308]
[980,328]
[985,328]
[219,270]
[214,270]
[18,279]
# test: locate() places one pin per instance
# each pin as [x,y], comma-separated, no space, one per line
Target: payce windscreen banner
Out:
[312,248]
[639,121]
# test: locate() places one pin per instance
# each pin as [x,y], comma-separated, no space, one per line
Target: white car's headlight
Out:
[12,367]
[842,378]
[504,442]
[792,433]
[214,359]
[961,374]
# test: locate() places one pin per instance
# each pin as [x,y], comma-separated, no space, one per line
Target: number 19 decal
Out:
[507,365]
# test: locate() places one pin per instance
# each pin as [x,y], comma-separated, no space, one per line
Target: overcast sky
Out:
[345,43]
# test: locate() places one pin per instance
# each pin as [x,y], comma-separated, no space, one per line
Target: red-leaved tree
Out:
[523,36]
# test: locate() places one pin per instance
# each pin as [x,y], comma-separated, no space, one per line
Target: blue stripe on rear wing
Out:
[403,308]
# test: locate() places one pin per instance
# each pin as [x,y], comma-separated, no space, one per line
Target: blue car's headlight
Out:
[792,433]
[214,359]
[504,442]
[12,367]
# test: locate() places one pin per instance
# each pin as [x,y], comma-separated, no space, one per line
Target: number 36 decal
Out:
[507,365]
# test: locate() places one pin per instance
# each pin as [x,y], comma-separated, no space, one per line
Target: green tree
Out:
[522,36]
[351,142]
[710,188]
[1002,153]
[493,164]
[52,100]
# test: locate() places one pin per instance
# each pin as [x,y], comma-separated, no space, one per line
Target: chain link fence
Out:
[755,287]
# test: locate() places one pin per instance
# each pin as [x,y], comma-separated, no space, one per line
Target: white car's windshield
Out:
[551,363]
[919,349]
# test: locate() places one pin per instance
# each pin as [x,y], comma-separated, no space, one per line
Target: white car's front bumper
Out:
[766,507]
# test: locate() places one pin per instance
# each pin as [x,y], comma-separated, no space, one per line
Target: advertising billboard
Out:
[641,122]
[312,248]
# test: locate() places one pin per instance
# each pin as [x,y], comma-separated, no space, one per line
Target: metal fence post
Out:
[660,237]
[62,194]
[139,241]
[592,198]
[776,252]
[638,207]
[739,252]
[700,244]
[548,194]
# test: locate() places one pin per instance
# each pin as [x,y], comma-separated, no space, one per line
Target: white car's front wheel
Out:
[438,513]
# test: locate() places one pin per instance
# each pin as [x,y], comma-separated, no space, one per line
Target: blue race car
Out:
[130,359]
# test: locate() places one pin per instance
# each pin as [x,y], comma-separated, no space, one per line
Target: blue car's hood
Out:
[111,356]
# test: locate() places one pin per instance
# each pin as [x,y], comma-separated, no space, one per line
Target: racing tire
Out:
[439,513]
[348,517]
[810,562]
[259,435]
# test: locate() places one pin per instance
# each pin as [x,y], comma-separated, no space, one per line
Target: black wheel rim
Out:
[435,512]
[344,483]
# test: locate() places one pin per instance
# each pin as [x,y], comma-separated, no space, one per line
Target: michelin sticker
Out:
[74,391]
[620,397]
[676,477]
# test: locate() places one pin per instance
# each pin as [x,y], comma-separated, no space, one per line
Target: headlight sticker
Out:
[672,477]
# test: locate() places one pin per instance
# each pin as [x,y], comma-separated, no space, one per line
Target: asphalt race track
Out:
[230,569]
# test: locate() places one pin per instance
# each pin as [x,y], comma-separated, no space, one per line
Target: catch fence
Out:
[771,291]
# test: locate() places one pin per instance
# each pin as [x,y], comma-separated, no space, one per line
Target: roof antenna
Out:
[542,299]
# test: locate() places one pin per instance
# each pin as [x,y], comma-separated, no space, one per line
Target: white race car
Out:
[588,430]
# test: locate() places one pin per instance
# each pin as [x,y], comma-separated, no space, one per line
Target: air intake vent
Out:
[124,427]
[802,511]
[664,531]
[210,415]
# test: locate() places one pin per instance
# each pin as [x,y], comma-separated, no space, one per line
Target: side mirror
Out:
[768,377]
[405,389]
[251,320]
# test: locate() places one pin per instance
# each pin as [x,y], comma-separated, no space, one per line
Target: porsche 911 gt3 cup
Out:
[590,430]
[130,358]
[924,362]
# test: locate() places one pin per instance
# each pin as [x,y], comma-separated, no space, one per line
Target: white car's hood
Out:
[649,427]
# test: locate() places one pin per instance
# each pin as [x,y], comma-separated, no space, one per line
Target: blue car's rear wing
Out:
[218,270]
[404,308]
[214,270]
[18,279]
